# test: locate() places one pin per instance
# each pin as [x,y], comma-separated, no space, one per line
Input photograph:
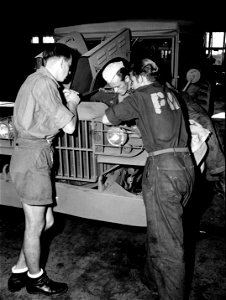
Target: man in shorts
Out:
[39,115]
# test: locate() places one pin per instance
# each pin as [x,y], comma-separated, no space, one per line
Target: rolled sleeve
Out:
[110,113]
[124,111]
[63,116]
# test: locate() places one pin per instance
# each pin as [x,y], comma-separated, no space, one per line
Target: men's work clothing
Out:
[38,116]
[157,114]
[30,170]
[38,110]
[167,184]
[167,181]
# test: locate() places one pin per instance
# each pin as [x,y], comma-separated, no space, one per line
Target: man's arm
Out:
[105,120]
[73,100]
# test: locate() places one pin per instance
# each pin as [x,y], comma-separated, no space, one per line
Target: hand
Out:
[71,95]
[105,120]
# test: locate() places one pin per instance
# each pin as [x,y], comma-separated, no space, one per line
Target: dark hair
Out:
[57,50]
[147,69]
[122,73]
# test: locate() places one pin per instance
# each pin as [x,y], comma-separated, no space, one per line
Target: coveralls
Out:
[38,116]
[167,182]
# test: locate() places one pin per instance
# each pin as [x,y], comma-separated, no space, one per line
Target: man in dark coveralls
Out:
[168,176]
[39,115]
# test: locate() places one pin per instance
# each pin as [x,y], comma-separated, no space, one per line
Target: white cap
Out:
[111,70]
[39,55]
[148,61]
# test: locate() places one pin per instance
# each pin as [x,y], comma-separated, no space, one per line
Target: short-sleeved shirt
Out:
[38,110]
[158,116]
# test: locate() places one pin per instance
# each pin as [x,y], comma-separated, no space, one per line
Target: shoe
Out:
[17,281]
[44,285]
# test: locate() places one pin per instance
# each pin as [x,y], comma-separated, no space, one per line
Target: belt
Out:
[168,150]
[33,142]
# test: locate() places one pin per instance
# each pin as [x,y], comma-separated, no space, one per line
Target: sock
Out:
[17,271]
[35,275]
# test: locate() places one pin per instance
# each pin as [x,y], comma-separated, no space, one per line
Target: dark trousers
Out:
[167,185]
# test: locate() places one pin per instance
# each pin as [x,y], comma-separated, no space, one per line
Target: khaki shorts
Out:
[30,171]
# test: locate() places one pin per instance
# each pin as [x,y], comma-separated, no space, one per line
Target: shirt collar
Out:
[44,71]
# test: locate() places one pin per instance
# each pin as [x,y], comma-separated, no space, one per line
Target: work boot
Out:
[17,281]
[44,285]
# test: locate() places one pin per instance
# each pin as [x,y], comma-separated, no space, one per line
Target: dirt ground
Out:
[102,261]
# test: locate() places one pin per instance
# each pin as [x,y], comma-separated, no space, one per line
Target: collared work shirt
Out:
[38,110]
[39,114]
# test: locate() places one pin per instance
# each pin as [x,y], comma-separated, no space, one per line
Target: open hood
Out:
[88,74]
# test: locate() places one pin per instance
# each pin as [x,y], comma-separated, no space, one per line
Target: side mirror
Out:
[192,76]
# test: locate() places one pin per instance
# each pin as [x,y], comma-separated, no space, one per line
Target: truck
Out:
[95,177]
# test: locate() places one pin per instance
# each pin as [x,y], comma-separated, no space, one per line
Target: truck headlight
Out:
[6,131]
[117,136]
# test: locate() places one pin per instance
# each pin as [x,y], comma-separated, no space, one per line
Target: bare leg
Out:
[36,218]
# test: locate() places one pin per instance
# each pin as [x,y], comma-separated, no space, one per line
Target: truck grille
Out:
[75,155]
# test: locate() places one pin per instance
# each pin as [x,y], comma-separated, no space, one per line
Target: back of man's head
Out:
[57,50]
